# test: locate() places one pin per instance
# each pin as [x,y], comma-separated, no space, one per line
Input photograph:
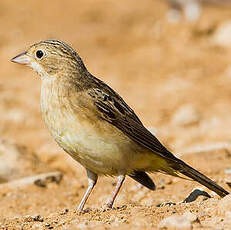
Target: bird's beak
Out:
[22,58]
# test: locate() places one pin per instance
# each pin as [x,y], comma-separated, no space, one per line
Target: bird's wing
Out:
[113,109]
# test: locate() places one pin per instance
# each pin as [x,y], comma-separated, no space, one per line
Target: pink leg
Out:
[120,180]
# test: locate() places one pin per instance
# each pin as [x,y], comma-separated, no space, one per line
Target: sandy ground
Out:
[175,76]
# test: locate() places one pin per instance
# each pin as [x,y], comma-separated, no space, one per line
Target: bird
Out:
[95,126]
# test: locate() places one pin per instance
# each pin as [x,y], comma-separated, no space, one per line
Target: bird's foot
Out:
[107,207]
[83,211]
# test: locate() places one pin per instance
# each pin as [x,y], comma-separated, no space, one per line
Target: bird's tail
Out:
[190,172]
[181,167]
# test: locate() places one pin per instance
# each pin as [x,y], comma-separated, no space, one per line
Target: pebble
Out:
[186,115]
[25,181]
[190,8]
[228,214]
[139,195]
[190,216]
[227,171]
[65,211]
[30,218]
[175,222]
[147,201]
[224,205]
[17,162]
[222,36]
[37,226]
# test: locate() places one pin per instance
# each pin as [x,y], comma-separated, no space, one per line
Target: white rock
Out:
[147,201]
[16,115]
[174,16]
[228,214]
[175,222]
[190,8]
[186,115]
[222,35]
[16,162]
[228,171]
[38,226]
[40,180]
[224,205]
[139,195]
[190,216]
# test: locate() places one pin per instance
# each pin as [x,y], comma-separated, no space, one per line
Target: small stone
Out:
[227,171]
[65,211]
[82,225]
[37,226]
[222,35]
[190,8]
[175,222]
[30,180]
[28,218]
[166,204]
[37,217]
[139,195]
[17,162]
[135,187]
[224,205]
[161,187]
[147,201]
[16,115]
[47,225]
[186,115]
[174,16]
[190,216]
[228,214]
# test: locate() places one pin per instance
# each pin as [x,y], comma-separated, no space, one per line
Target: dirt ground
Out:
[175,76]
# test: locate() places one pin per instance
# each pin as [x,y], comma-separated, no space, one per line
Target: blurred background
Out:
[163,69]
[170,60]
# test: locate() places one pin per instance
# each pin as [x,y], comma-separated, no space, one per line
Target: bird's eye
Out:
[39,54]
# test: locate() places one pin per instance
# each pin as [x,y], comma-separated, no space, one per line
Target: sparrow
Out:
[93,123]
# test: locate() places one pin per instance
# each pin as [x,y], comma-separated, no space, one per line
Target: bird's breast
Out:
[76,126]
[93,142]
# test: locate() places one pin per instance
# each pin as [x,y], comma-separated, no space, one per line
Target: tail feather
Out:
[190,172]
[143,179]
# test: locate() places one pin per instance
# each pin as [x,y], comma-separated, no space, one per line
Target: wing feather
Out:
[114,110]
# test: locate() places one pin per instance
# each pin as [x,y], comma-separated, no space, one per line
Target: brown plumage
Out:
[93,124]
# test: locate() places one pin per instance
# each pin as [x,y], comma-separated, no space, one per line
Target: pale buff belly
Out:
[103,152]
[94,143]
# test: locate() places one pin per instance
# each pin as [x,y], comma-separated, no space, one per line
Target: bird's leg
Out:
[120,180]
[92,179]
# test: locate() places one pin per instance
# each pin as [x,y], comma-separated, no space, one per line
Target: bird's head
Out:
[51,58]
